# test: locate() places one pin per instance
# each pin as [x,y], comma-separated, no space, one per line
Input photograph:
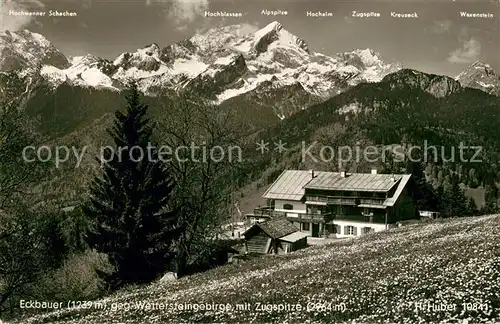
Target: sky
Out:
[439,41]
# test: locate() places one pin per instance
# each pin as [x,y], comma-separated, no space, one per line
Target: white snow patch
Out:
[211,71]
[244,47]
[225,60]
[482,84]
[135,73]
[372,74]
[42,41]
[250,84]
[95,78]
[191,67]
[266,30]
[53,75]
[79,73]
[368,57]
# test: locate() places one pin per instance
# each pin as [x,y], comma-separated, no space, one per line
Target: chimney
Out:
[393,178]
[342,174]
[312,173]
[374,170]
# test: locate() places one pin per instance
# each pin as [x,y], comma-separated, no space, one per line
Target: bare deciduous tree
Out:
[205,149]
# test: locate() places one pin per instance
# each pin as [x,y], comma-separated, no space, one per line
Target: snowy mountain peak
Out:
[275,33]
[368,56]
[25,36]
[480,76]
[479,64]
[150,50]
[145,59]
[27,51]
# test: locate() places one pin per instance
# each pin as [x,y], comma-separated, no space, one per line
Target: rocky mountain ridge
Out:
[480,76]
[220,64]
[269,67]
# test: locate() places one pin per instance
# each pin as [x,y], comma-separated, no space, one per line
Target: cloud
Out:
[187,11]
[12,22]
[468,53]
[441,26]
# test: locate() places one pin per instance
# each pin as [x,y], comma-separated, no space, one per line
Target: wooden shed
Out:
[274,236]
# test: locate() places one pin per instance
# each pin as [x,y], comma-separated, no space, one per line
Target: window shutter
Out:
[346,230]
[354,230]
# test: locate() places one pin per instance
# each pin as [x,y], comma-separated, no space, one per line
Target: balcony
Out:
[269,212]
[311,218]
[354,201]
[331,200]
[366,201]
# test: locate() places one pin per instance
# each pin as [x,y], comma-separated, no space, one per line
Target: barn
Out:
[275,236]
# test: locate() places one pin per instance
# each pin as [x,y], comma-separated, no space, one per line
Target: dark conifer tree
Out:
[472,209]
[425,195]
[454,202]
[129,202]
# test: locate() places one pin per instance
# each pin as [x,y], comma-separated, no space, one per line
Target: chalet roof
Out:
[402,184]
[289,185]
[294,237]
[276,227]
[354,181]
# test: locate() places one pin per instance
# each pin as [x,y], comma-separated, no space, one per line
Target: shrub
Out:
[78,278]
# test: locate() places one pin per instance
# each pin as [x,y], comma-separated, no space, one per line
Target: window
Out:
[288,206]
[305,226]
[349,230]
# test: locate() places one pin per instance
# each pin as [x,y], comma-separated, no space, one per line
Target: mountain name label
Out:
[222,14]
[404,15]
[465,14]
[371,14]
[274,12]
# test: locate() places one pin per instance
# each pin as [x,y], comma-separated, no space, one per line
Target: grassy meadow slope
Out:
[378,277]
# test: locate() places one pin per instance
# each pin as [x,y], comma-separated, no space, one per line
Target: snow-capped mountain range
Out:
[219,64]
[236,59]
